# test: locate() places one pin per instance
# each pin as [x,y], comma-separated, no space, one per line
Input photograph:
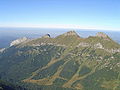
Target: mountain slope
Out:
[66,61]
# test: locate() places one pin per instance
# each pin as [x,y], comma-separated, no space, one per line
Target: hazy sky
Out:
[89,14]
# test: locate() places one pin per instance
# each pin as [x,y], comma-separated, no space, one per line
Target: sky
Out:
[81,14]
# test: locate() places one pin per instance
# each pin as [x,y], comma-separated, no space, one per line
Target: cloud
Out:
[60,26]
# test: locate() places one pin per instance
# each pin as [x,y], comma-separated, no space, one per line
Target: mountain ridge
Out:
[72,39]
[66,61]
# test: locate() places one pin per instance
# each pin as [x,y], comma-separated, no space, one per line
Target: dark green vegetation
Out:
[66,62]
[8,86]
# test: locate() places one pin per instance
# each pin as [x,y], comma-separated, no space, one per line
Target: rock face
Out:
[46,36]
[100,34]
[70,33]
[98,45]
[18,41]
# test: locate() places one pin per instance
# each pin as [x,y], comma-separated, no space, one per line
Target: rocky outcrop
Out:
[42,44]
[83,44]
[70,33]
[1,50]
[113,50]
[98,46]
[100,34]
[18,41]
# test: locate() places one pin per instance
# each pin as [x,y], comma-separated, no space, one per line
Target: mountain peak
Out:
[101,34]
[70,33]
[46,36]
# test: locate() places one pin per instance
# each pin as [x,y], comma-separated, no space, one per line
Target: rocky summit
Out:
[101,34]
[66,62]
[18,41]
[70,33]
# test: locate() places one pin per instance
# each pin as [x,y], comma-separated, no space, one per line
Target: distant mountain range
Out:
[7,35]
[66,62]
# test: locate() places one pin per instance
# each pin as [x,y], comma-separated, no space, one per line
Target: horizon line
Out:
[61,27]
